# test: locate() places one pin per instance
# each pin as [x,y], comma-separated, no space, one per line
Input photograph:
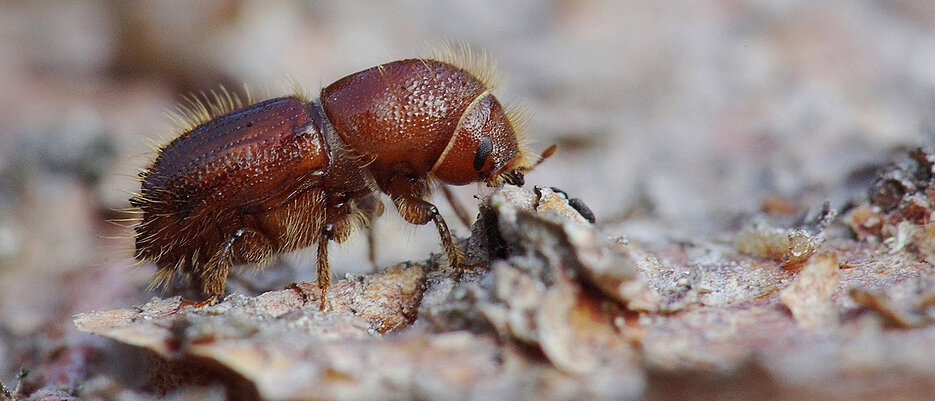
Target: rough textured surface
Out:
[567,312]
[809,295]
[534,322]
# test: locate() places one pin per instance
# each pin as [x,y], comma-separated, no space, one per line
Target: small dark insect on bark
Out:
[575,203]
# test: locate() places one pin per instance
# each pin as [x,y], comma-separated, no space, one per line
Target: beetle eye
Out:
[483,150]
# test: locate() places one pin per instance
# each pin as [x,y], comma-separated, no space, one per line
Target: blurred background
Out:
[681,113]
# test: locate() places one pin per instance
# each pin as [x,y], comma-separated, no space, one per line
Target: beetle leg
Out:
[214,273]
[372,247]
[251,246]
[197,305]
[418,211]
[371,207]
[457,207]
[324,270]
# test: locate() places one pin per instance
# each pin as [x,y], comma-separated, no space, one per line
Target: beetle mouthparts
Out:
[514,178]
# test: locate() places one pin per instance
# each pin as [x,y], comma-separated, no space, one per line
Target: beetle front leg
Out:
[457,207]
[418,211]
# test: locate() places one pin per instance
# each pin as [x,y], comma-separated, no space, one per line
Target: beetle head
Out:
[486,146]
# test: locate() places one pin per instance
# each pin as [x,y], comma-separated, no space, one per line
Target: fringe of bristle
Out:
[484,67]
[200,108]
[481,65]
[519,117]
[298,90]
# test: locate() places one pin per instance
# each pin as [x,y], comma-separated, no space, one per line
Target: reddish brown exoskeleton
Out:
[242,184]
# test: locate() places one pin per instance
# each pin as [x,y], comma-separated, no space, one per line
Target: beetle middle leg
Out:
[419,212]
[324,269]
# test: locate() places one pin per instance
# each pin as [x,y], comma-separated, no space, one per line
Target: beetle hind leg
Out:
[214,273]
[244,245]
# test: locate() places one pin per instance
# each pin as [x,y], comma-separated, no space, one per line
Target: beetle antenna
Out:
[510,170]
[547,153]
